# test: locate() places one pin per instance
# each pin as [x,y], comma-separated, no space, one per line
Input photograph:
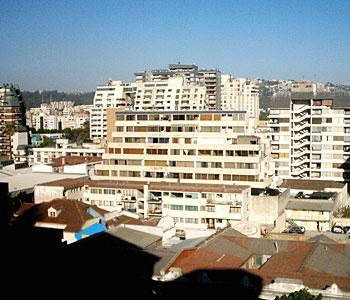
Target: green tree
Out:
[47,142]
[343,212]
[300,295]
[79,135]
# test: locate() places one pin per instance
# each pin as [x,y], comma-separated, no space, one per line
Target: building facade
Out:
[240,94]
[310,135]
[12,118]
[186,146]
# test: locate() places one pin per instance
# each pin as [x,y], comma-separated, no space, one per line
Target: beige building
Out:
[240,94]
[189,146]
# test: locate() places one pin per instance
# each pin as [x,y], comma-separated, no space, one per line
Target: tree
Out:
[300,295]
[47,142]
[343,212]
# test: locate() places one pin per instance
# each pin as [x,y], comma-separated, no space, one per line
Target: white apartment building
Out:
[113,94]
[210,78]
[171,94]
[46,155]
[310,135]
[45,121]
[240,94]
[59,115]
[185,146]
[199,206]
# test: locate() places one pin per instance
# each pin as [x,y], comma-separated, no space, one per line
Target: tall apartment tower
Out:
[210,147]
[12,117]
[114,93]
[171,93]
[240,94]
[310,134]
[210,78]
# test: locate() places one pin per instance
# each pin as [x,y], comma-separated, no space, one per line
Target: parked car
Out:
[295,229]
[337,229]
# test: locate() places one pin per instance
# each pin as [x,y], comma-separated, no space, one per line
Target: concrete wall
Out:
[144,228]
[69,237]
[42,169]
[46,193]
[76,169]
[75,194]
[342,221]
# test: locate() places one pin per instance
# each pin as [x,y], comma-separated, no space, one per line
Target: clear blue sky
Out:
[74,45]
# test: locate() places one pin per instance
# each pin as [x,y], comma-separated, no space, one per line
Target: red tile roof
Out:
[73,214]
[290,262]
[70,160]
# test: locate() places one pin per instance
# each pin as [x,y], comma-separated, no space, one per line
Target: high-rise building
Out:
[12,117]
[210,78]
[310,134]
[185,146]
[240,94]
[172,93]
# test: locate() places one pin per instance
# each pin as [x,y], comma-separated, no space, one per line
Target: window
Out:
[191,208]
[176,207]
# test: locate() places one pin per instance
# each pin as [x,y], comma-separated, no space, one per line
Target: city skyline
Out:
[75,46]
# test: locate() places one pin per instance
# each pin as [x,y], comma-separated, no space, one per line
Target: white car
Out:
[337,229]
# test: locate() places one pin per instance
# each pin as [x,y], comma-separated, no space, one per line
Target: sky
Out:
[76,45]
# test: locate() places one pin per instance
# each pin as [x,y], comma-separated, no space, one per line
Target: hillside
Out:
[33,99]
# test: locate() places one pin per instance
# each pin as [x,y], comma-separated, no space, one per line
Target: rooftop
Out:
[317,185]
[316,264]
[183,112]
[72,213]
[25,179]
[139,185]
[309,204]
[196,187]
[74,160]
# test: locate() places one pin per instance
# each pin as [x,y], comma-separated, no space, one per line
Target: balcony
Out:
[301,152]
[224,202]
[301,118]
[301,144]
[299,170]
[301,135]
[299,162]
[301,126]
[300,109]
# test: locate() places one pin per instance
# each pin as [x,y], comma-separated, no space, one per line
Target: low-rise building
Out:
[46,155]
[77,220]
[267,209]
[313,211]
[70,165]
[261,268]
[195,206]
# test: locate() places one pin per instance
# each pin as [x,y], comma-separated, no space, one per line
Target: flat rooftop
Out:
[317,185]
[313,205]
[25,179]
[197,187]
[153,186]
[178,112]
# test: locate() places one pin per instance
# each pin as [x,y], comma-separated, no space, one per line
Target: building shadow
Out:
[209,284]
[346,168]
